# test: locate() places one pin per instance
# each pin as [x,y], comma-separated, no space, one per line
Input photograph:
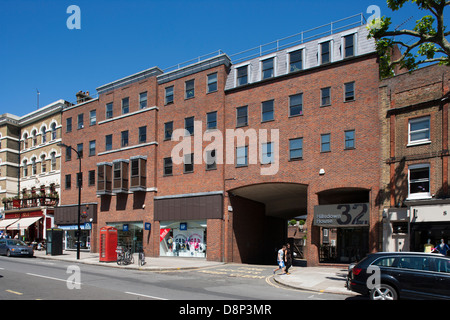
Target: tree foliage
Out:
[428,37]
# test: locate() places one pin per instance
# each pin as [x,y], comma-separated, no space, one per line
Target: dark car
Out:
[395,275]
[13,247]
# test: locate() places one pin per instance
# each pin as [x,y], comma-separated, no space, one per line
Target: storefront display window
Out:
[183,239]
[129,234]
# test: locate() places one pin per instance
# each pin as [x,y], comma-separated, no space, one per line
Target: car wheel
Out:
[383,292]
[8,253]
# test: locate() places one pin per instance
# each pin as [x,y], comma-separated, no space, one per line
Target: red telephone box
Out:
[108,244]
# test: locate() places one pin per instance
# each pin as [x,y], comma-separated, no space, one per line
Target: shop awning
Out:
[6,222]
[23,223]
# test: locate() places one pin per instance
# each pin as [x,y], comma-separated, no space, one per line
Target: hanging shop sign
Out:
[342,215]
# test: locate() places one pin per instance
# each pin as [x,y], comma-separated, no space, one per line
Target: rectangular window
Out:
[350,139]
[138,174]
[91,178]
[168,166]
[80,150]
[325,55]
[68,181]
[188,163]
[190,90]
[109,110]
[80,121]
[296,149]
[143,134]
[325,96]
[125,105]
[419,130]
[296,105]
[242,156]
[267,69]
[92,117]
[108,142]
[242,75]
[92,148]
[241,116]
[295,60]
[419,181]
[211,162]
[68,154]
[267,153]
[325,143]
[189,125]
[143,100]
[212,82]
[169,95]
[211,120]
[69,125]
[124,138]
[168,129]
[267,111]
[104,178]
[120,176]
[349,91]
[349,47]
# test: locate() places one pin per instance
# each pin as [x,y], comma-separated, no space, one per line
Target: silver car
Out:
[14,247]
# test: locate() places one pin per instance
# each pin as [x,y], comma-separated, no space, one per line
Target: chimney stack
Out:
[83,96]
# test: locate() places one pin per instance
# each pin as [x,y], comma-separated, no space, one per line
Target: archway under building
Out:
[259,219]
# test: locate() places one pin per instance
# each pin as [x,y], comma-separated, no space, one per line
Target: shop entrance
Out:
[343,245]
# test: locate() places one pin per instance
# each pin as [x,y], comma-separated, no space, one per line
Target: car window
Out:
[384,262]
[415,263]
[2,241]
[443,265]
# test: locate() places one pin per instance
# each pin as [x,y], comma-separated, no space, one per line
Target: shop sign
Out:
[342,215]
[163,233]
[147,226]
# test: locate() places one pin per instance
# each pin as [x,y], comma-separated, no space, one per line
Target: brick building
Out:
[414,190]
[294,131]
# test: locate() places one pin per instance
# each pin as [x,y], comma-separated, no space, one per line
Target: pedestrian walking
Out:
[280,260]
[288,258]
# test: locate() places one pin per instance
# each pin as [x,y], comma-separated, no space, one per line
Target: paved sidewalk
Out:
[318,279]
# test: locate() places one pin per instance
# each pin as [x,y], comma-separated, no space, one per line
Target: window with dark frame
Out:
[241,116]
[267,69]
[267,111]
[68,154]
[325,96]
[169,95]
[211,161]
[349,91]
[267,153]
[242,156]
[242,75]
[325,143]
[80,121]
[91,178]
[188,163]
[189,125]
[124,138]
[190,89]
[296,105]
[168,129]
[325,56]
[350,139]
[125,105]
[143,100]
[92,117]
[168,166]
[211,120]
[143,134]
[108,142]
[92,148]
[212,82]
[296,60]
[68,181]
[109,110]
[295,149]
[69,125]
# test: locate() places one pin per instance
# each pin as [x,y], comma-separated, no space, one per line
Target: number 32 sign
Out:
[342,215]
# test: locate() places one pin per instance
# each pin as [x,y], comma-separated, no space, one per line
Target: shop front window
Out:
[129,234]
[183,239]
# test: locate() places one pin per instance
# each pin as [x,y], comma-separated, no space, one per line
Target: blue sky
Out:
[119,38]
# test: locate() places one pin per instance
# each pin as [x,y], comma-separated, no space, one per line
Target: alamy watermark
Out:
[74,20]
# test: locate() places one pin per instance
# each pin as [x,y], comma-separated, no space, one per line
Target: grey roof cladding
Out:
[221,59]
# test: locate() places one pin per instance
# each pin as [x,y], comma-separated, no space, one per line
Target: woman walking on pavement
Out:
[280,260]
[288,258]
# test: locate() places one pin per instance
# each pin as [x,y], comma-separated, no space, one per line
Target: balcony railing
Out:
[32,202]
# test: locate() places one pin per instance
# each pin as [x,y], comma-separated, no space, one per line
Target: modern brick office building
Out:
[309,115]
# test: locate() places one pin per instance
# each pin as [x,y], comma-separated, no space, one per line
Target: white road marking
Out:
[146,296]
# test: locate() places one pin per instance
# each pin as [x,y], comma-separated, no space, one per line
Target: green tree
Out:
[425,43]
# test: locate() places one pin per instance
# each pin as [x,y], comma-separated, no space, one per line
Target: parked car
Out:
[14,247]
[412,275]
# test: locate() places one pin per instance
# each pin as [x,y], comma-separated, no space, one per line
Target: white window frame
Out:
[261,60]
[319,50]
[421,141]
[419,195]
[288,57]
[238,66]
[355,43]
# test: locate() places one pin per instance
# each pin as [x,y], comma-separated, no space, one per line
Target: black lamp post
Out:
[79,196]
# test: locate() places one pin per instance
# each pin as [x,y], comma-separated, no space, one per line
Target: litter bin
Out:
[54,241]
[108,244]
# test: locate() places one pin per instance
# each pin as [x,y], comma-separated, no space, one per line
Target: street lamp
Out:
[79,196]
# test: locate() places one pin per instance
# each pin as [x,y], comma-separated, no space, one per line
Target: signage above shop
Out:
[342,215]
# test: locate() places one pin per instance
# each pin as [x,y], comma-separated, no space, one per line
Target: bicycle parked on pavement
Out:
[124,257]
[141,257]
